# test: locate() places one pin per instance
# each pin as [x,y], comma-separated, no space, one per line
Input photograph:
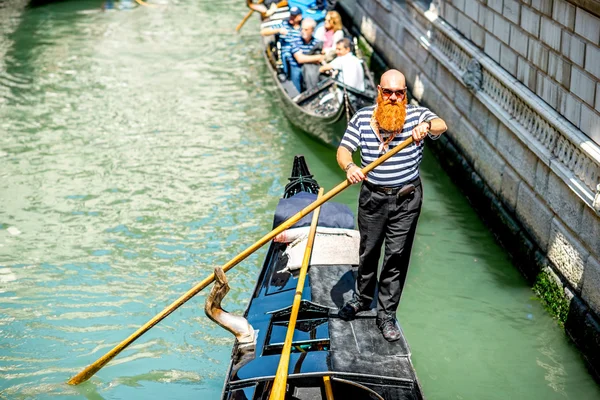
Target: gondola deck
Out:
[354,354]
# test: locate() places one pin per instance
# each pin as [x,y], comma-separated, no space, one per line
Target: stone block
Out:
[526,73]
[530,21]
[587,25]
[592,61]
[445,79]
[543,6]
[463,24]
[450,14]
[590,231]
[542,172]
[517,155]
[590,122]
[538,54]
[502,28]
[508,59]
[598,97]
[467,140]
[477,35]
[488,164]
[582,85]
[569,107]
[495,5]
[567,254]
[479,115]
[573,48]
[564,202]
[462,99]
[534,214]
[559,69]
[547,90]
[486,18]
[550,33]
[590,288]
[492,47]
[575,323]
[509,188]
[563,12]
[518,40]
[459,4]
[472,9]
[591,346]
[491,129]
[511,11]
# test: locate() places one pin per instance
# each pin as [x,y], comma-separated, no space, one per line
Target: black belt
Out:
[395,190]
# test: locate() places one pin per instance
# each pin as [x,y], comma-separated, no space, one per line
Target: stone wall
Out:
[529,167]
[550,46]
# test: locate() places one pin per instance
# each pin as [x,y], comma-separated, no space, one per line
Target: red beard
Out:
[390,116]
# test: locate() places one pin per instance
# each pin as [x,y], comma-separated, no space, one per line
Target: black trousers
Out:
[385,219]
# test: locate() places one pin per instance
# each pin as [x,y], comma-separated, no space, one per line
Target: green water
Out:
[139,149]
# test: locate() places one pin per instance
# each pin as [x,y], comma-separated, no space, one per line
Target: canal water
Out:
[141,147]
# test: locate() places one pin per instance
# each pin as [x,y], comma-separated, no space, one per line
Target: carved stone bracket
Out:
[473,75]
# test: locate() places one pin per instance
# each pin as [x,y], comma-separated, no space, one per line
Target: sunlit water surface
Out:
[142,147]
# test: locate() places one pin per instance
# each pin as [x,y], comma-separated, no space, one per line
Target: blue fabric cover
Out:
[308,8]
[333,215]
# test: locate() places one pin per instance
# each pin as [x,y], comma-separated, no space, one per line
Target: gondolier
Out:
[390,196]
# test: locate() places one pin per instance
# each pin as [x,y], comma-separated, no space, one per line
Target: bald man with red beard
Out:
[390,196]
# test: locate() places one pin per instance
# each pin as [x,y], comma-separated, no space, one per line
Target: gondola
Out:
[352,356]
[324,110]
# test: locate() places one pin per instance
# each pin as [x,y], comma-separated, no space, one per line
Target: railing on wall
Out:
[566,150]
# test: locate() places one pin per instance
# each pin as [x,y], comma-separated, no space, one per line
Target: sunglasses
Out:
[388,92]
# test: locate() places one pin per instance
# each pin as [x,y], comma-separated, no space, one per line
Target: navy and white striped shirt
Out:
[287,40]
[403,166]
[302,46]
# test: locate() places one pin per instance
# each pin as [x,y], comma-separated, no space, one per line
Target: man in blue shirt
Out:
[301,50]
[390,197]
[288,33]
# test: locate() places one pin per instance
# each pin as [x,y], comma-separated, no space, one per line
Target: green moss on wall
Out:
[552,296]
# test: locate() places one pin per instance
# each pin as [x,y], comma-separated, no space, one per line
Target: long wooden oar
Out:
[91,369]
[237,28]
[280,383]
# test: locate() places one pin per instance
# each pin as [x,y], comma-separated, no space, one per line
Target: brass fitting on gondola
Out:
[239,326]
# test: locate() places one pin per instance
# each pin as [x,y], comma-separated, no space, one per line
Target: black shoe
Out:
[389,329]
[348,312]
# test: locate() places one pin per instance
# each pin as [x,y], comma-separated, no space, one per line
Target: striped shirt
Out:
[403,166]
[288,39]
[300,45]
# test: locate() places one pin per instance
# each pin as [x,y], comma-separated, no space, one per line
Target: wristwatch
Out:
[428,125]
[350,165]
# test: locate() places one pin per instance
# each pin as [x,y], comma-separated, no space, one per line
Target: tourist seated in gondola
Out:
[330,33]
[304,64]
[346,67]
[287,32]
[267,7]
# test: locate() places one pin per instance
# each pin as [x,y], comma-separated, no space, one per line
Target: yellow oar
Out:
[237,28]
[91,369]
[280,383]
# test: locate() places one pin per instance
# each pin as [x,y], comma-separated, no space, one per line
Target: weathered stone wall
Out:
[533,170]
[551,46]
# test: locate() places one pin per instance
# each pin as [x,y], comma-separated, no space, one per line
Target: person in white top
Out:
[348,67]
[330,33]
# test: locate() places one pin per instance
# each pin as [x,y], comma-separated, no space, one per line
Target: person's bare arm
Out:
[326,67]
[305,59]
[344,158]
[273,31]
[438,126]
